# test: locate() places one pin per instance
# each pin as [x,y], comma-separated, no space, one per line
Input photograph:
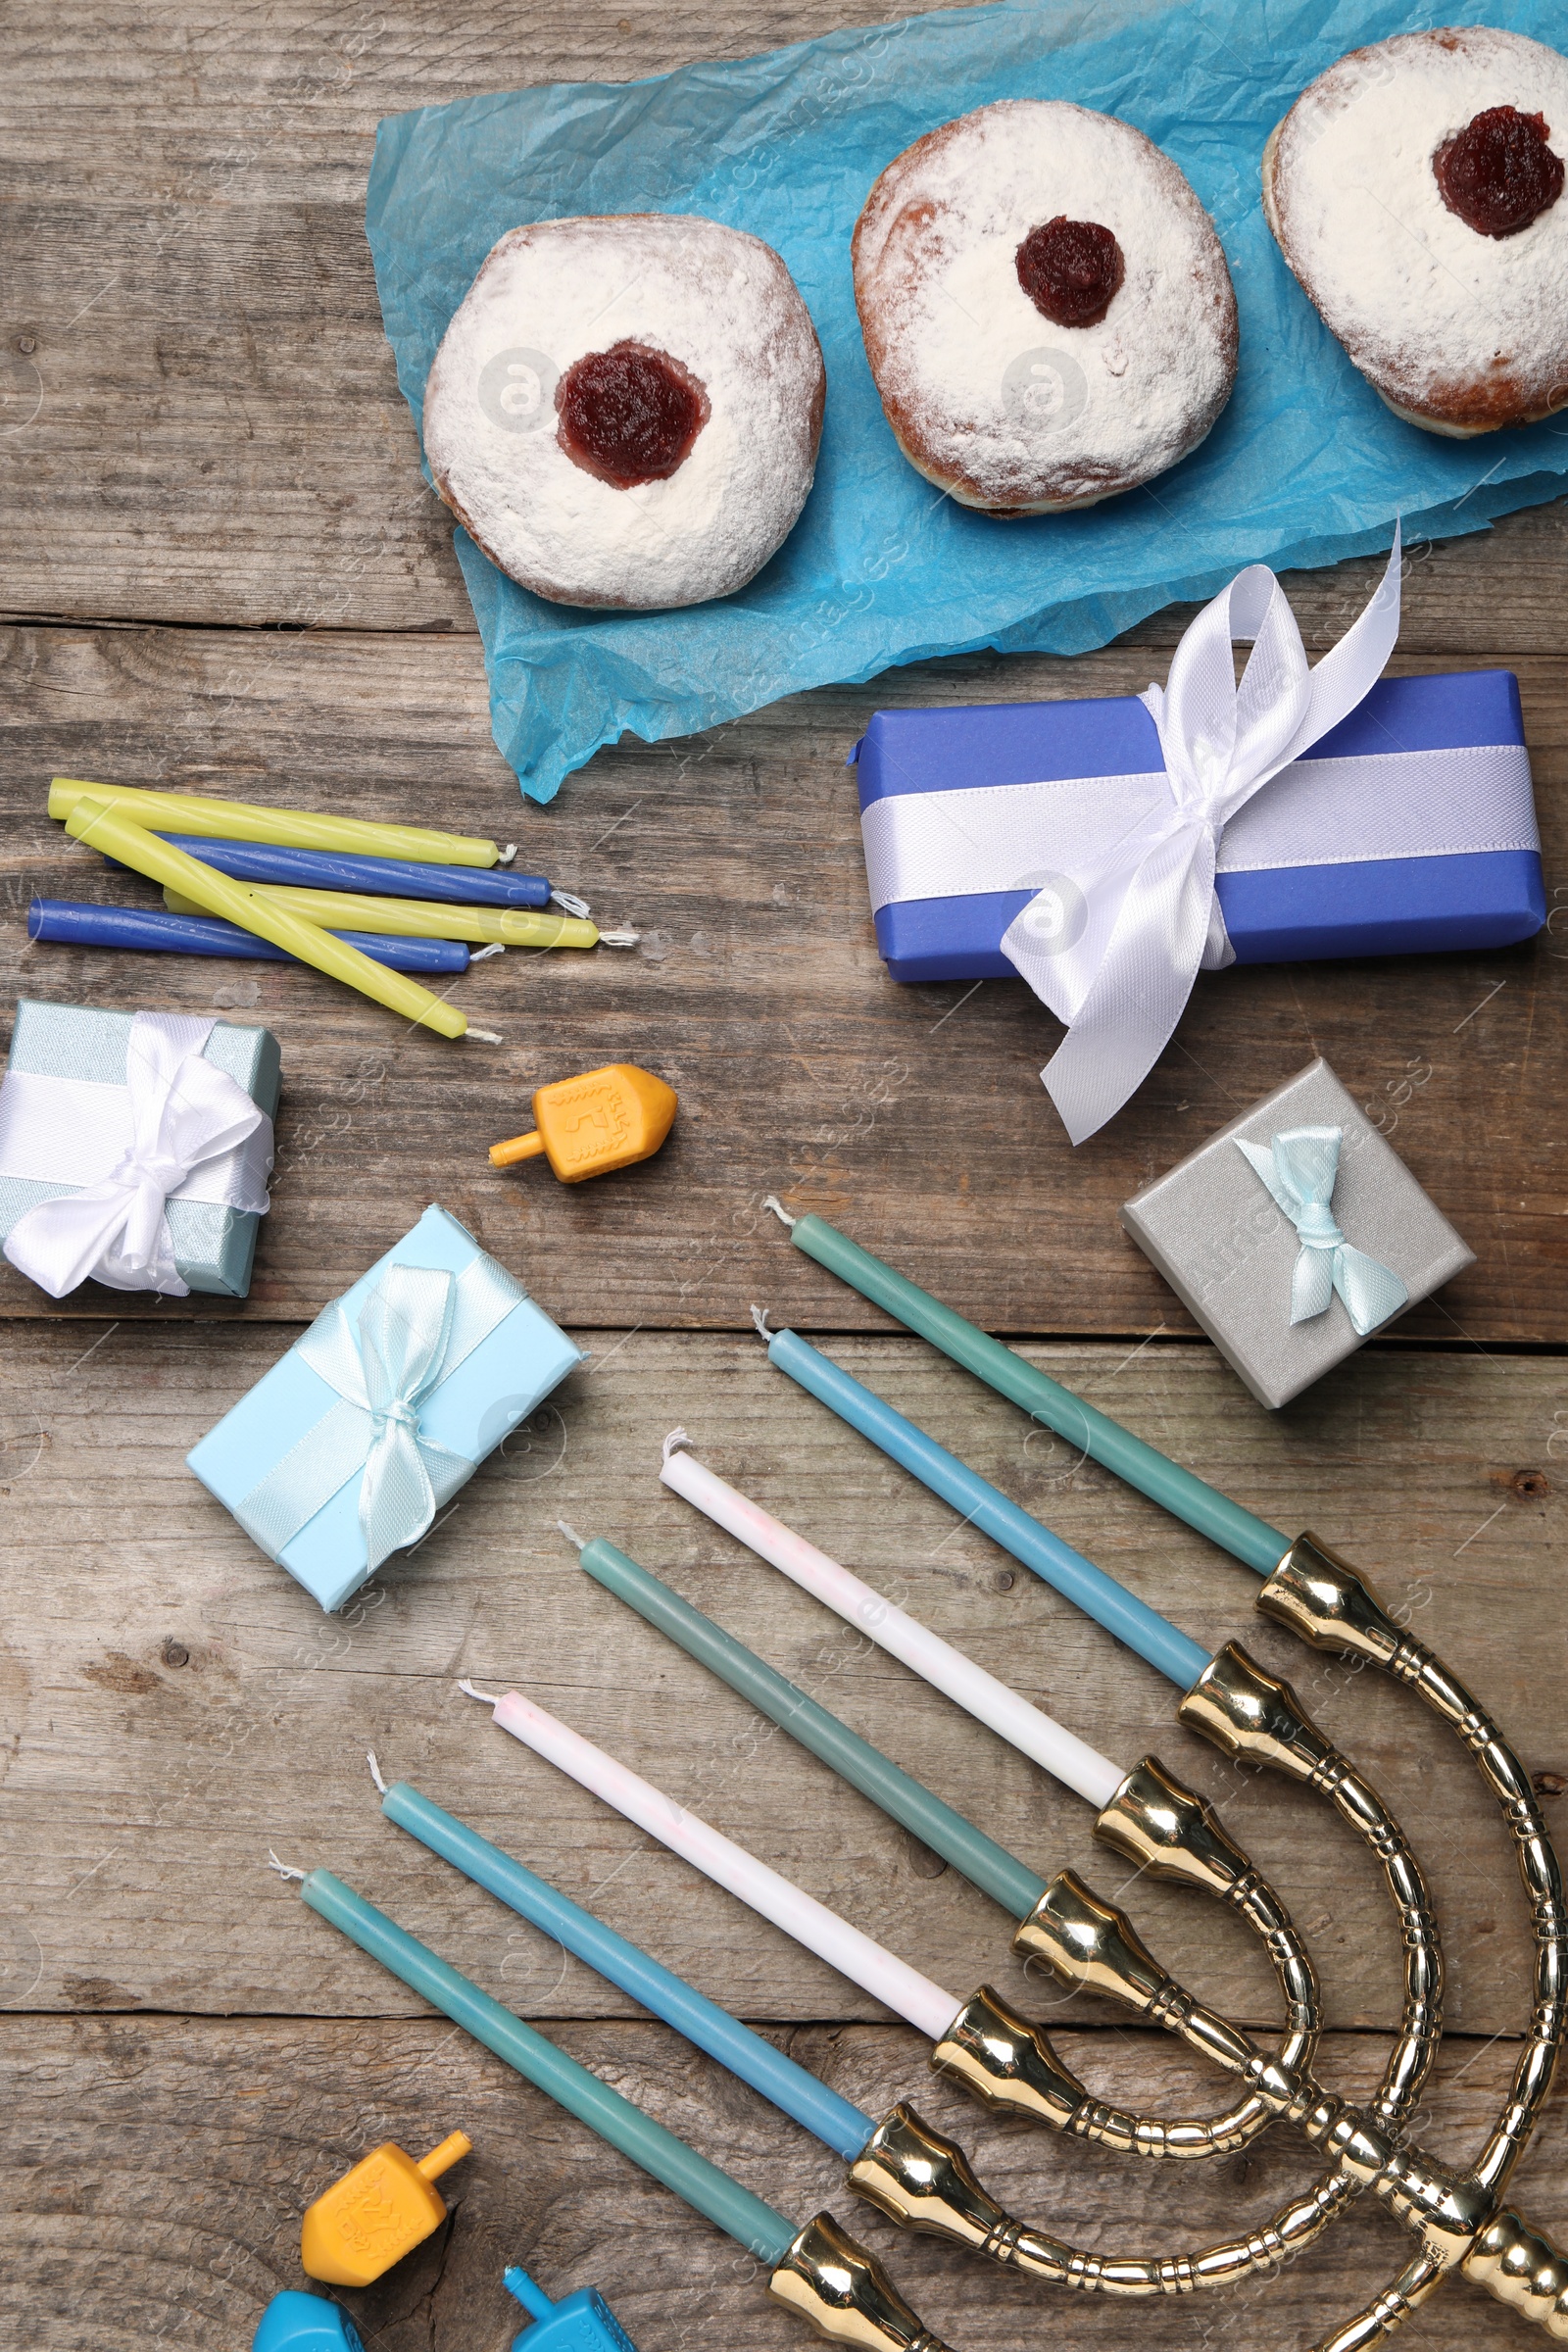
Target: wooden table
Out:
[223,572]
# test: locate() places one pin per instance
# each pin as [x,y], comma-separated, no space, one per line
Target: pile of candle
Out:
[950,2025]
[368,904]
[915,2176]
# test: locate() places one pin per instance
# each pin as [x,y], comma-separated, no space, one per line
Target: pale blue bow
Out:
[1299,1167]
[412,1332]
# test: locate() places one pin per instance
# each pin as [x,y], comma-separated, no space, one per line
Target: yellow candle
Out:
[113,834]
[288,828]
[420,919]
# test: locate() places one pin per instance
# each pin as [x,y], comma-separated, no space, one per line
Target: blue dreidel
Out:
[584,2322]
[296,2322]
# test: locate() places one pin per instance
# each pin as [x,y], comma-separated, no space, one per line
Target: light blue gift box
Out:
[469,1412]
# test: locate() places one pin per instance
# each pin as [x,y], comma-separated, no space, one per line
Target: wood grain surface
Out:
[180,1706]
[220,570]
[159,2167]
[913,1116]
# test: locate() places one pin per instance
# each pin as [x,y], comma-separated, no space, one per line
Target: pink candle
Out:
[856,1956]
[1070,1759]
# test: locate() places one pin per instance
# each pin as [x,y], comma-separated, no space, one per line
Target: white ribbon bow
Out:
[1153,920]
[183,1112]
[1299,1168]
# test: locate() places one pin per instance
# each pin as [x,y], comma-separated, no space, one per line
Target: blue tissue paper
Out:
[272,1440]
[1381,840]
[1305,467]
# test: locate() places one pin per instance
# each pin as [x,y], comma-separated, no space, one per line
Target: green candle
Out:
[987,1865]
[709,2191]
[1104,1441]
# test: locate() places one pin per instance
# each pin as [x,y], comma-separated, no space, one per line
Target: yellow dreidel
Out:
[376,2214]
[590,1125]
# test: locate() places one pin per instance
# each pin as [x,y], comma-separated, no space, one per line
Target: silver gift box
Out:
[213,1247]
[1228,1252]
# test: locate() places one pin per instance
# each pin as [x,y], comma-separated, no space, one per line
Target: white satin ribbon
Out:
[978,839]
[178,1129]
[1153,920]
[1299,1168]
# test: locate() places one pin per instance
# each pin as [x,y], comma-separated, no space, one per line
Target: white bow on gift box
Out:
[179,1128]
[1153,920]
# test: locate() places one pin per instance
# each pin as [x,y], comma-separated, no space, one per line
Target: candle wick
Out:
[759,1319]
[772,1200]
[506,855]
[569,904]
[572,1536]
[375,1770]
[619,939]
[478,955]
[675,1440]
[488,1698]
[486,1036]
[283,1869]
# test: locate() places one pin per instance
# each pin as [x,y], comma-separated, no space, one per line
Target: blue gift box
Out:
[1409,827]
[492,1386]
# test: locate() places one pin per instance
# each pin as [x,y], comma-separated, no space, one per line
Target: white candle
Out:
[1070,1759]
[811,1922]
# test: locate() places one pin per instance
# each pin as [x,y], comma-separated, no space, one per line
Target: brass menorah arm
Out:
[1324,1600]
[1458,2217]
[1011,2064]
[842,2291]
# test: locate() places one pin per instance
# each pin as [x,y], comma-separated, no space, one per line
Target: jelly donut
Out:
[626,410]
[1045,308]
[1416,190]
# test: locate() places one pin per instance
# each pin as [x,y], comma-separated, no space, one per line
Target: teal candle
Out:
[1095,1432]
[801,2096]
[707,2190]
[985,1506]
[987,1865]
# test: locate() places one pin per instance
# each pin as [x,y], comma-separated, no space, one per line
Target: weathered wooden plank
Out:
[915,1116]
[202,427]
[159,2168]
[201,416]
[173,1705]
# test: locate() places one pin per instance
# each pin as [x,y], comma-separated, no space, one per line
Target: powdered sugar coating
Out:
[1458,331]
[720,303]
[987,397]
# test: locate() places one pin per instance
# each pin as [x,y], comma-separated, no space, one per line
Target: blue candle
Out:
[801,2096]
[387,877]
[79,925]
[985,1506]
[707,2190]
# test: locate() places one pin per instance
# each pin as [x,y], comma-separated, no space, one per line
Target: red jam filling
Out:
[1071,270]
[1498,173]
[630,415]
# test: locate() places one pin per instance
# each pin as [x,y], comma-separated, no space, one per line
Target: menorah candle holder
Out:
[1008,2062]
[1003,2059]
[1458,2217]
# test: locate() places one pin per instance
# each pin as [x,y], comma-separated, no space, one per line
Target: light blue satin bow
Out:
[1299,1167]
[412,1332]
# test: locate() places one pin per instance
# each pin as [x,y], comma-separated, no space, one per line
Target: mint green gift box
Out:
[215,1248]
[452,1355]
